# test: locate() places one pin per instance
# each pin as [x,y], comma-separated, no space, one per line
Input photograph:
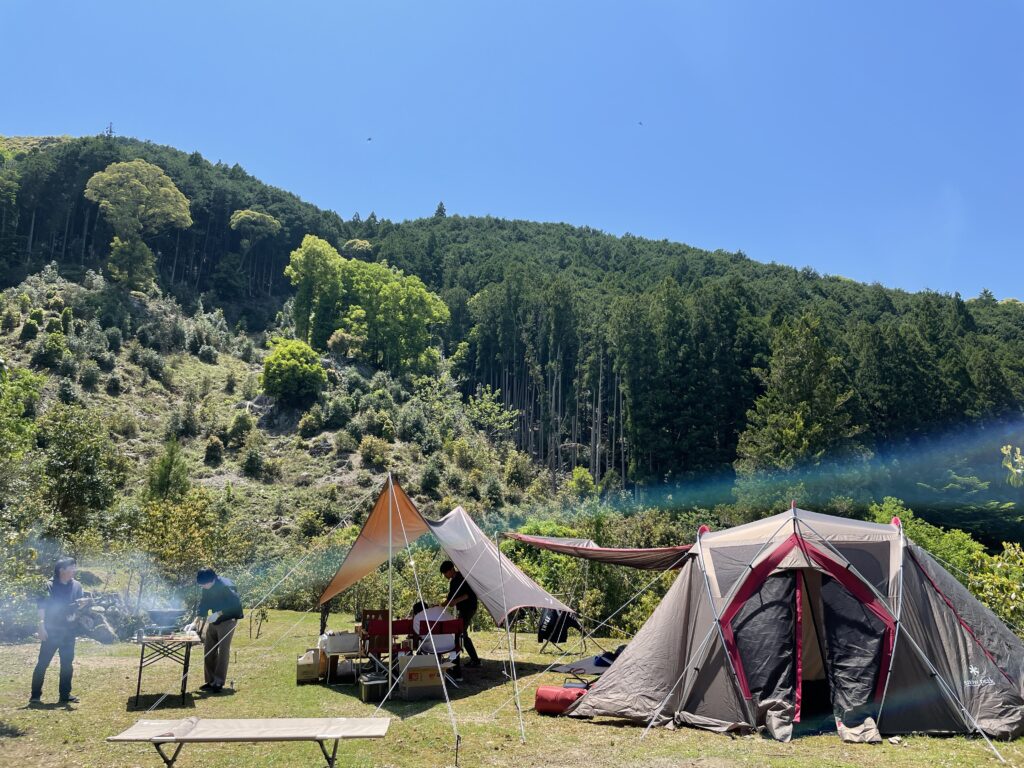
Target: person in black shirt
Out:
[57,630]
[462,597]
[220,599]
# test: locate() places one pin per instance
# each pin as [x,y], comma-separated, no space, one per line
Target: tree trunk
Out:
[85,232]
[31,235]
[67,225]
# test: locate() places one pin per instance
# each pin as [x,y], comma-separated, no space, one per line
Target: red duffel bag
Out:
[554,700]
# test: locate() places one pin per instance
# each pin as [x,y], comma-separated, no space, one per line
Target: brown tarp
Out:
[652,559]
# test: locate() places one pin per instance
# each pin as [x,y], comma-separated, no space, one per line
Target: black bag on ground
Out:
[554,625]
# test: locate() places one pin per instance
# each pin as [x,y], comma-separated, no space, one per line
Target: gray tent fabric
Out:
[763,615]
[498,583]
[649,559]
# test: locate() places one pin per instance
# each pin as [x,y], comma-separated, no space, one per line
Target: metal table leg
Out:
[332,757]
[184,677]
[169,761]
[138,685]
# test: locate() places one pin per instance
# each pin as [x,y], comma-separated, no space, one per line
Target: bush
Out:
[252,456]
[412,422]
[230,383]
[292,372]
[214,454]
[115,386]
[374,451]
[67,392]
[462,454]
[312,422]
[123,424]
[518,470]
[241,425]
[10,320]
[50,351]
[377,423]
[29,330]
[338,411]
[344,442]
[67,320]
[106,361]
[24,303]
[208,354]
[114,339]
[310,523]
[430,481]
[68,366]
[36,316]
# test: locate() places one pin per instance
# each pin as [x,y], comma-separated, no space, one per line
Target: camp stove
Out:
[164,621]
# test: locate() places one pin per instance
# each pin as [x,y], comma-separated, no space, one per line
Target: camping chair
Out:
[376,639]
[553,628]
[454,627]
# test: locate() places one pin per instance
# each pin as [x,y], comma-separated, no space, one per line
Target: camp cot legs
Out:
[184,677]
[330,758]
[169,761]
[138,685]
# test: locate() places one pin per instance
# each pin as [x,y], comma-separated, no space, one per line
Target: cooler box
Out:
[372,688]
[340,643]
[307,667]
[553,700]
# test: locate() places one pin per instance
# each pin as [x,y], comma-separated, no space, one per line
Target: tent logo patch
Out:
[976,680]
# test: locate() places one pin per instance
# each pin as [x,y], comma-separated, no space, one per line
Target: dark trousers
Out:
[218,651]
[467,643]
[56,642]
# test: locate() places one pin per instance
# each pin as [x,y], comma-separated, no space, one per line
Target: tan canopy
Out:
[498,583]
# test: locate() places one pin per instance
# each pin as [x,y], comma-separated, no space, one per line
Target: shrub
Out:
[29,330]
[36,315]
[67,392]
[10,320]
[124,424]
[581,484]
[114,339]
[374,451]
[412,422]
[24,303]
[292,372]
[252,456]
[230,383]
[430,480]
[208,354]
[518,470]
[67,320]
[240,427]
[214,454]
[312,422]
[310,523]
[338,411]
[115,386]
[151,361]
[50,351]
[462,454]
[68,366]
[344,442]
[106,361]
[379,424]
[53,325]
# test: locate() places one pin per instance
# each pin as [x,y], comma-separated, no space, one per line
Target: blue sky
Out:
[877,140]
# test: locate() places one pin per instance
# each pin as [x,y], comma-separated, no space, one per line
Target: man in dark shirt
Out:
[462,597]
[57,630]
[220,599]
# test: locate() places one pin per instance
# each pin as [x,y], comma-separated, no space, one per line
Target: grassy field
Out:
[421,733]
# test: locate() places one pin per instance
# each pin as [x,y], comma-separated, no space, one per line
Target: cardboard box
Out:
[307,667]
[419,678]
[340,642]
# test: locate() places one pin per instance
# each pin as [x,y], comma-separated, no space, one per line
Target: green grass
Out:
[420,734]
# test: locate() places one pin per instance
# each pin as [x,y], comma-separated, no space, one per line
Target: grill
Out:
[164,621]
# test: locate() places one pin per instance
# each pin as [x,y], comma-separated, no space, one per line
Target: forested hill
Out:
[649,363]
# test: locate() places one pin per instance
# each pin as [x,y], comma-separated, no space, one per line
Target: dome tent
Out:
[780,619]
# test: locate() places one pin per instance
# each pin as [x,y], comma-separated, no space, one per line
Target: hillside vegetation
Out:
[201,368]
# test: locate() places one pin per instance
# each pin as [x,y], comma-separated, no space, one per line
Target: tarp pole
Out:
[391,602]
[508,642]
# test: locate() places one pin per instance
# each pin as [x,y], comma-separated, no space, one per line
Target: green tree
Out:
[168,474]
[292,372]
[82,467]
[805,413]
[138,200]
